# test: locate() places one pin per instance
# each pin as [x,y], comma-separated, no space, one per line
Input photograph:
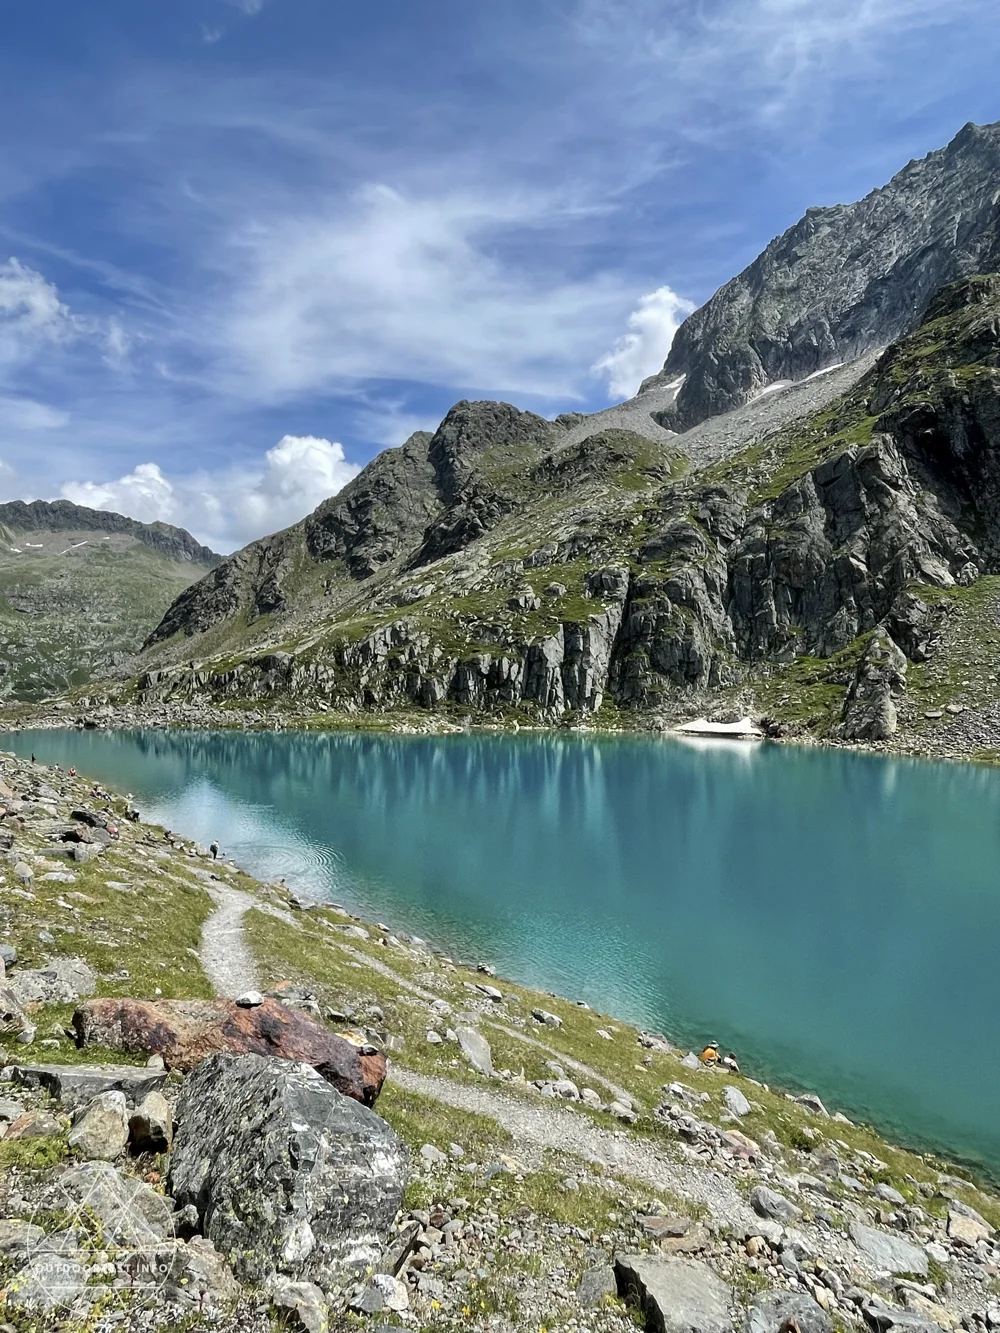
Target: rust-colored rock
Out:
[185,1032]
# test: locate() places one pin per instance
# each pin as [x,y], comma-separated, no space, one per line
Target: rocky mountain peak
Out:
[842,281]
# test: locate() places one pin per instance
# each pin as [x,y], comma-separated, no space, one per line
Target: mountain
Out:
[80,589]
[842,281]
[826,553]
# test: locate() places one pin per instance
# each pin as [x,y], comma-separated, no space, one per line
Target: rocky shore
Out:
[225,1108]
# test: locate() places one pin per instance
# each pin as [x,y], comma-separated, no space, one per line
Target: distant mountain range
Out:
[80,589]
[797,516]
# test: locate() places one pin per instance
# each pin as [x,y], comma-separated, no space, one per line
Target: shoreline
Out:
[911,1141]
[212,718]
[563,1142]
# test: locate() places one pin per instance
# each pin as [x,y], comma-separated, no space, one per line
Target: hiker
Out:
[710,1055]
[214,849]
[32,758]
[730,1062]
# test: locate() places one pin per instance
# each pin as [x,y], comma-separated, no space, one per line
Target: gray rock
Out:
[771,1309]
[288,1175]
[102,1129]
[735,1101]
[888,1253]
[150,1126]
[60,982]
[882,1318]
[8,954]
[132,1214]
[18,1237]
[382,1292]
[675,1295]
[595,1285]
[250,999]
[48,1282]
[191,1274]
[889,1194]
[870,710]
[75,1083]
[549,1020]
[476,1049]
[302,1304]
[769,1203]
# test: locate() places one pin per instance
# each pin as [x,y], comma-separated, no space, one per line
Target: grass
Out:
[336,968]
[141,940]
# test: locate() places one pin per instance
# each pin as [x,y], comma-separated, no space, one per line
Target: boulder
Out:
[287,1175]
[769,1203]
[595,1285]
[48,1282]
[61,982]
[131,1213]
[476,1049]
[675,1295]
[18,1237]
[887,1253]
[546,1018]
[773,1309]
[38,1124]
[735,1102]
[184,1032]
[381,1292]
[151,1125]
[77,1083]
[880,677]
[195,1275]
[966,1229]
[101,1132]
[302,1304]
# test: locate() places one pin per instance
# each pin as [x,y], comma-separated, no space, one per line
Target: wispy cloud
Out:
[393,285]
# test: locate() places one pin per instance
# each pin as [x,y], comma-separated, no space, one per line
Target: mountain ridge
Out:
[841,281]
[65,516]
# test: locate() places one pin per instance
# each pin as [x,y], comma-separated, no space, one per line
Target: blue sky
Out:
[246,244]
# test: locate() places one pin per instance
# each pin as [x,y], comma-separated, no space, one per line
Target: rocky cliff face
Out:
[842,281]
[521,573]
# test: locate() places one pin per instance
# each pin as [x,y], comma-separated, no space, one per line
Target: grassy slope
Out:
[65,619]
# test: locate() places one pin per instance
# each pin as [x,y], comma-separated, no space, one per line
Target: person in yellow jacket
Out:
[710,1055]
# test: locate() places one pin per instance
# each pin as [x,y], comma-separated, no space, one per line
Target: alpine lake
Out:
[832,917]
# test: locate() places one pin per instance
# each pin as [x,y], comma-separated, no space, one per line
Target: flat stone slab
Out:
[887,1253]
[771,1310]
[77,1083]
[675,1295]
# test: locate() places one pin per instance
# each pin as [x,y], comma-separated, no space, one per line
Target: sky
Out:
[247,244]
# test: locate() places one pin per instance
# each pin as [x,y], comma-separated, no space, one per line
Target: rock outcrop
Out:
[287,1175]
[843,280]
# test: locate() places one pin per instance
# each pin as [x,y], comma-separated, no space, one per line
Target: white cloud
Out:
[410,287]
[643,350]
[31,313]
[229,507]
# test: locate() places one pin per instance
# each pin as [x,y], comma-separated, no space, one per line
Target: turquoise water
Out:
[834,918]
